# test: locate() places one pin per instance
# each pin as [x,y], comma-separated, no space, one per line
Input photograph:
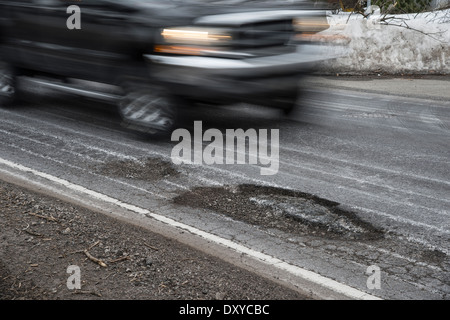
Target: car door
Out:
[21,33]
[92,52]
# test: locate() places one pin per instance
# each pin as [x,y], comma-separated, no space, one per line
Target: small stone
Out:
[220,295]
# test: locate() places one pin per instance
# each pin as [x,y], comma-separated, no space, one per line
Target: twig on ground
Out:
[87,292]
[151,247]
[53,219]
[119,259]
[31,232]
[96,243]
[94,259]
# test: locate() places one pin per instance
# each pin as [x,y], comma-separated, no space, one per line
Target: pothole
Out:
[287,210]
[146,169]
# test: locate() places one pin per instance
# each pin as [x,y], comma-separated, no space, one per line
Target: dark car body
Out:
[219,53]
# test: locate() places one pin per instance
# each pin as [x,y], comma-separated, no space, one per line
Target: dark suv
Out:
[164,54]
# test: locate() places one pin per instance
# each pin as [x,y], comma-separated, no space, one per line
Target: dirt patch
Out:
[147,169]
[434,256]
[41,237]
[286,210]
[11,287]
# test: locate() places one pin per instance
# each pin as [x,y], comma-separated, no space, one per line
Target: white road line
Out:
[295,270]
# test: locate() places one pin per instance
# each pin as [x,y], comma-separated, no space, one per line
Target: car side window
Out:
[46,2]
[49,3]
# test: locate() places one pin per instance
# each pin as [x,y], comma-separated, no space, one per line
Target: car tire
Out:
[288,103]
[289,109]
[149,110]
[8,84]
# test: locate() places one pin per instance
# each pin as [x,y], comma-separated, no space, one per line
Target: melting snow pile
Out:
[414,43]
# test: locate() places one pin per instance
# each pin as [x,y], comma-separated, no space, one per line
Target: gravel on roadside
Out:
[41,237]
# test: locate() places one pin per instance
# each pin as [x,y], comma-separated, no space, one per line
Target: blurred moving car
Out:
[163,54]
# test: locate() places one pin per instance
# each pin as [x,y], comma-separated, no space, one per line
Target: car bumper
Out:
[243,80]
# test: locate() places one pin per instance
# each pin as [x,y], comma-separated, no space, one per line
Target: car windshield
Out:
[234,1]
[221,2]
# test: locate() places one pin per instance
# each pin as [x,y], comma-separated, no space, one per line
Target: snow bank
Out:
[419,44]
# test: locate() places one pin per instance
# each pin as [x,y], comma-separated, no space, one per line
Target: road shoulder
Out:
[43,236]
[422,87]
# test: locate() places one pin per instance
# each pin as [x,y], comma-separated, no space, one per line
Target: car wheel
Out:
[7,84]
[288,103]
[289,109]
[150,110]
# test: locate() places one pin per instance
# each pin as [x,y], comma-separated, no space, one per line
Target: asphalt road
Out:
[376,147]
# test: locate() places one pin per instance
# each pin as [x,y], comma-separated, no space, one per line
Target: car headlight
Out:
[311,25]
[201,36]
